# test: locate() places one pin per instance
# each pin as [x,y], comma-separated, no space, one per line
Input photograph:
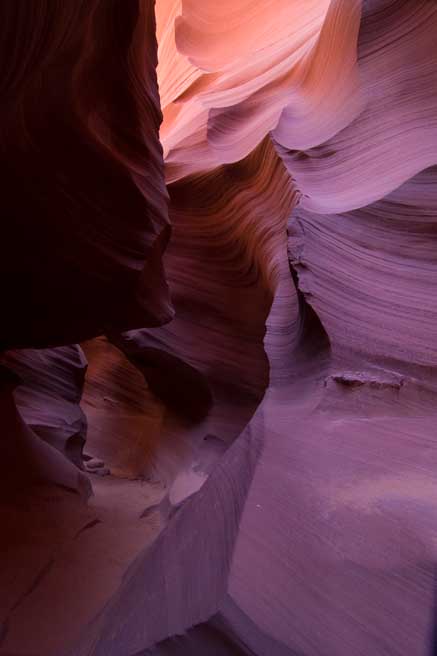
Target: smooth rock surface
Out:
[261,448]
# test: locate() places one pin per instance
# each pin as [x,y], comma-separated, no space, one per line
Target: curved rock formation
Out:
[263,459]
[49,394]
[83,235]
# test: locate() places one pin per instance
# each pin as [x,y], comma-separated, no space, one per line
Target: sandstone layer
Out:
[218,377]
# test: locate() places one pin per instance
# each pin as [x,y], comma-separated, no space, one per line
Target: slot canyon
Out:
[218,334]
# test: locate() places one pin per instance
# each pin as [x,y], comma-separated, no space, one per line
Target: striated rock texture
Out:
[49,393]
[262,448]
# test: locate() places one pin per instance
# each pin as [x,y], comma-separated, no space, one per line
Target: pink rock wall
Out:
[253,401]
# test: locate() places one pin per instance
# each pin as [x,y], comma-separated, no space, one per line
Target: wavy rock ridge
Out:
[261,451]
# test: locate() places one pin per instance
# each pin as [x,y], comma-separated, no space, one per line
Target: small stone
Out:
[94,463]
[102,471]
